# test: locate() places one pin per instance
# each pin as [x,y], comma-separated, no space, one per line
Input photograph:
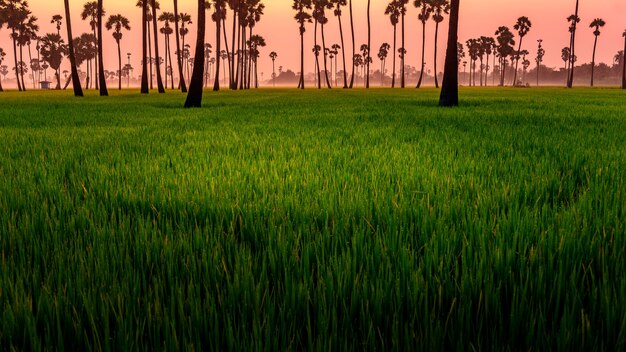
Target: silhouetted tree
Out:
[541,52]
[505,39]
[302,17]
[194,98]
[425,10]
[78,90]
[181,76]
[2,55]
[369,44]
[393,11]
[52,50]
[117,23]
[522,27]
[573,19]
[90,11]
[338,12]
[383,52]
[273,56]
[353,43]
[450,87]
[166,30]
[596,25]
[144,47]
[440,7]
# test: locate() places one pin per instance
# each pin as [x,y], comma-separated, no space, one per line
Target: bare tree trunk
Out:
[343,53]
[78,90]
[369,44]
[419,81]
[624,66]
[194,98]
[353,45]
[393,54]
[156,49]
[593,59]
[218,47]
[450,87]
[181,76]
[101,79]
[402,82]
[570,82]
[144,28]
[17,73]
[119,65]
[325,64]
[517,57]
[435,60]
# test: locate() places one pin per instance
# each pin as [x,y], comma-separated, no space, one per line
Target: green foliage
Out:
[344,220]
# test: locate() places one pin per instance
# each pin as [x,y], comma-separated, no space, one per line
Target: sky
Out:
[478,17]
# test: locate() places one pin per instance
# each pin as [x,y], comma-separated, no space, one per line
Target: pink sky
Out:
[478,17]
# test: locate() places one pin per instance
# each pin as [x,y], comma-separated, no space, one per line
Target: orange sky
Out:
[478,17]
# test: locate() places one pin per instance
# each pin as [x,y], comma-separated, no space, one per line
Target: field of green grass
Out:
[318,220]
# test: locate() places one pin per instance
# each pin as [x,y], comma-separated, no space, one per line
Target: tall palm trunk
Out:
[165,57]
[30,58]
[450,87]
[369,43]
[119,64]
[22,64]
[486,72]
[101,78]
[144,48]
[233,84]
[181,76]
[481,70]
[227,53]
[517,57]
[343,53]
[150,52]
[218,46]
[402,82]
[393,54]
[353,45]
[250,61]
[78,90]
[194,98]
[419,81]
[156,48]
[17,72]
[570,82]
[317,59]
[171,67]
[593,59]
[435,60]
[624,66]
[301,83]
[95,35]
[324,52]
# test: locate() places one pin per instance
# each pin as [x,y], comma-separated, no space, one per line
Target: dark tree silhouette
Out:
[144,48]
[450,87]
[166,30]
[596,25]
[218,16]
[369,45]
[179,59]
[2,55]
[118,22]
[338,12]
[522,27]
[505,39]
[194,98]
[302,17]
[353,44]
[440,7]
[423,16]
[319,14]
[403,4]
[101,76]
[273,56]
[90,11]
[541,52]
[383,52]
[574,19]
[393,11]
[78,90]
[624,63]
[156,47]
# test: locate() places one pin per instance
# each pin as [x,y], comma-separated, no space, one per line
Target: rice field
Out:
[318,220]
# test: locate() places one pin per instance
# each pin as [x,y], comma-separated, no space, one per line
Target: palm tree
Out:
[424,15]
[90,10]
[318,79]
[504,48]
[522,27]
[273,56]
[335,52]
[144,48]
[624,63]
[181,78]
[383,52]
[353,44]
[2,55]
[218,17]
[166,30]
[57,20]
[319,13]
[596,25]
[16,12]
[402,49]
[53,49]
[393,11]
[573,19]
[488,45]
[338,12]
[302,17]
[78,90]
[440,7]
[156,46]
[369,44]
[256,42]
[565,56]
[539,59]
[450,87]
[118,22]
[101,77]
[194,98]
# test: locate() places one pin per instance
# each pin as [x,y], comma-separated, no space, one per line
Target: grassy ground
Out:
[278,219]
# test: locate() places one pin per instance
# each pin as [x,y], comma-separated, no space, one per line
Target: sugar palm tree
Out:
[78,90]
[596,24]
[154,6]
[425,10]
[565,56]
[393,11]
[624,63]
[181,78]
[522,27]
[101,76]
[90,11]
[338,12]
[541,52]
[450,87]
[383,52]
[194,98]
[402,50]
[15,13]
[218,17]
[440,7]
[573,19]
[302,17]
[117,23]
[273,56]
[353,43]
[319,13]
[369,45]
[504,49]
[144,48]
[57,20]
[53,48]
[335,52]
[167,18]
[2,55]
